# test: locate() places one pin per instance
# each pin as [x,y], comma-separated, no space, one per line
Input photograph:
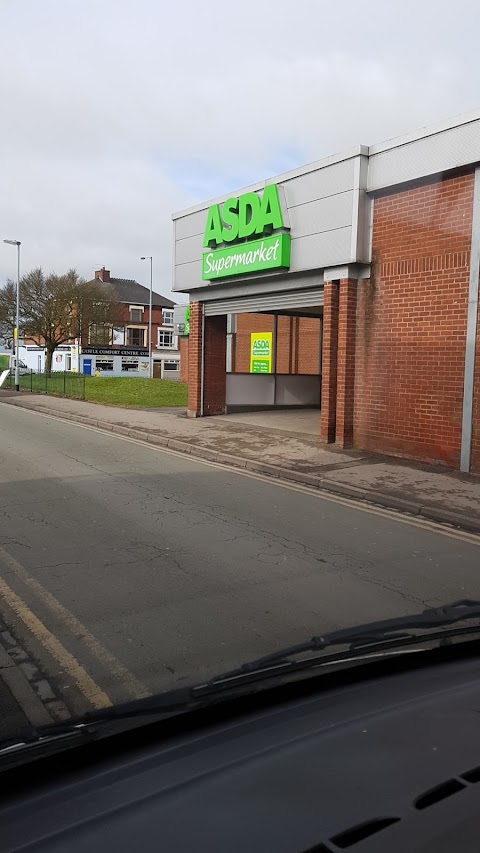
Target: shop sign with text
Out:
[115,351]
[261,352]
[252,226]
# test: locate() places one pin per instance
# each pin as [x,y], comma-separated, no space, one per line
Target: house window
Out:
[129,364]
[104,363]
[136,313]
[171,365]
[136,336]
[100,333]
[165,339]
[167,317]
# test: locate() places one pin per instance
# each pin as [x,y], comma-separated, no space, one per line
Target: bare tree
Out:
[56,309]
[7,313]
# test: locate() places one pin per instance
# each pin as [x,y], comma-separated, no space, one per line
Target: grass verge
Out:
[135,392]
[130,391]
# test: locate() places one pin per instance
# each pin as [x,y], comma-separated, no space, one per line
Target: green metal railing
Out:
[60,383]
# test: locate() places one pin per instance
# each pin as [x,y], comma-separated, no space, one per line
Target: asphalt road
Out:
[128,570]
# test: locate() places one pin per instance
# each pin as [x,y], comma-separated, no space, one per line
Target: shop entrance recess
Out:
[273,350]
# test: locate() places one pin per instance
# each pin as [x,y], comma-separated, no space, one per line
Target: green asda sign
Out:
[241,222]
[261,352]
[265,254]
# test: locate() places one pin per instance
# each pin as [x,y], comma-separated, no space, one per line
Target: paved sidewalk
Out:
[420,489]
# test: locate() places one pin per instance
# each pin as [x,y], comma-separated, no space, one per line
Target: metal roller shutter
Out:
[295,300]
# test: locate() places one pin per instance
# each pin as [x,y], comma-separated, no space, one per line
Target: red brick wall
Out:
[157,321]
[347,309]
[475,461]
[214,363]
[183,349]
[328,416]
[411,323]
[194,359]
[286,351]
[298,342]
[309,346]
[124,320]
[247,323]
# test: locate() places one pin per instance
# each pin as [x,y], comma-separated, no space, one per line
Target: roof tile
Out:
[130,291]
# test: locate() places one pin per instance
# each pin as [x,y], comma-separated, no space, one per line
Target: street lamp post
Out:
[150,362]
[16,334]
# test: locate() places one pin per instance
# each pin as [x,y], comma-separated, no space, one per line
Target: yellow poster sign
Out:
[261,352]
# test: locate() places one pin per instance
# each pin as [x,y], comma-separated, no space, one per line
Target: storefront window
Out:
[129,364]
[104,364]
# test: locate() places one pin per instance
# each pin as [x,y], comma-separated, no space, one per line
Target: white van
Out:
[7,364]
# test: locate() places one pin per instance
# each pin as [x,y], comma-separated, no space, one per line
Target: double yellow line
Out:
[94,694]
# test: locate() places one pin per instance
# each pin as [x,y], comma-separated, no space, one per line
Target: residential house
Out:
[124,349]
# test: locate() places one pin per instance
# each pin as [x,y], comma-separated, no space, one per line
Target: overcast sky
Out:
[115,113]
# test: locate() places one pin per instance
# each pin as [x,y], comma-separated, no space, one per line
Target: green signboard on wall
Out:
[255,256]
[245,235]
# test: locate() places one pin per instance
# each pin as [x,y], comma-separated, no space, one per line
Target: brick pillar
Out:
[215,375]
[214,365]
[328,417]
[295,343]
[183,353]
[194,360]
[347,314]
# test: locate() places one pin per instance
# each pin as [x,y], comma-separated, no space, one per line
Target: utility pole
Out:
[16,332]
[150,361]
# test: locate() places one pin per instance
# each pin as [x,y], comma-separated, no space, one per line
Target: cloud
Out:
[115,114]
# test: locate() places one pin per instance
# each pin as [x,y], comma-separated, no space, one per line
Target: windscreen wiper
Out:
[384,634]
[388,636]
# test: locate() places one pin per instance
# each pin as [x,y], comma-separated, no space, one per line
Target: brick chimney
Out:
[103,274]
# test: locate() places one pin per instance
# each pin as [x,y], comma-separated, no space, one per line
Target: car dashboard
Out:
[390,763]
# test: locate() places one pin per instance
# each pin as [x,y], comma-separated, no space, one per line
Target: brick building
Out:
[124,349]
[365,268]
